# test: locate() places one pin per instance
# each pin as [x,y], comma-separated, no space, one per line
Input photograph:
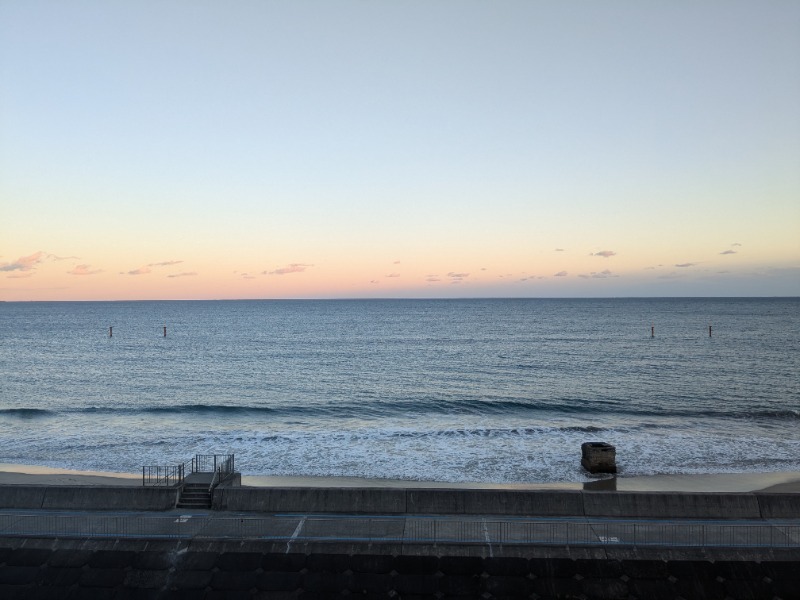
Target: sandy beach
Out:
[13,474]
[786,481]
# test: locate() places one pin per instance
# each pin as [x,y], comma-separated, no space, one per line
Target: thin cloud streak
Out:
[24,263]
[606,274]
[83,270]
[292,268]
[167,263]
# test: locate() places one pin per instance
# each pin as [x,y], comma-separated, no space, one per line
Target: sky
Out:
[194,149]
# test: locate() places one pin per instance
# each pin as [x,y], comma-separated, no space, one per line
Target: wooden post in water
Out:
[165,331]
[652,331]
[111,331]
[709,330]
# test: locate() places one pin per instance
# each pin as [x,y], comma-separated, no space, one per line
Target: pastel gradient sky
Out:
[310,149]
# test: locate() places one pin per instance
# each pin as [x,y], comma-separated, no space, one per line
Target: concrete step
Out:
[195,496]
[193,505]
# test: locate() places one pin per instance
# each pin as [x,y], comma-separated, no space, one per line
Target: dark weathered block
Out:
[598,457]
[239,561]
[190,580]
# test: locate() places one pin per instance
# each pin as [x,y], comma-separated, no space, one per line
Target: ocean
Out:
[501,391]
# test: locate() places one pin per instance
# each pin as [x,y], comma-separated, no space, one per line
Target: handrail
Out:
[221,465]
[214,481]
[210,463]
[166,475]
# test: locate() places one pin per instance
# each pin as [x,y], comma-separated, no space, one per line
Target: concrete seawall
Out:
[87,497]
[542,503]
[549,503]
[310,567]
[129,568]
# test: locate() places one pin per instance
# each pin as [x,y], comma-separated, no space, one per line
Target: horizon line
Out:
[415,298]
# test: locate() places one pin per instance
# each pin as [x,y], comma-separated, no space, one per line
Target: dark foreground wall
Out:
[45,568]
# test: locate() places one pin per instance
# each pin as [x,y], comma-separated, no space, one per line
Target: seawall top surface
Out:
[537,503]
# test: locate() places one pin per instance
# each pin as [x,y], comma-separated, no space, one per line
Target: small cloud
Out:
[685,265]
[139,271]
[292,268]
[728,252]
[23,263]
[525,278]
[188,274]
[736,244]
[432,278]
[459,276]
[559,250]
[54,257]
[599,275]
[19,276]
[561,274]
[393,275]
[604,253]
[483,268]
[167,263]
[397,262]
[247,276]
[83,270]
[375,281]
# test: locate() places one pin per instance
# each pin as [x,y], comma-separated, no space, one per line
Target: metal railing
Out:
[166,475]
[412,530]
[222,465]
[213,463]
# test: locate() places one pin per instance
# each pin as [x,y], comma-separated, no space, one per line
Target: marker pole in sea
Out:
[111,331]
[709,330]
[165,331]
[652,331]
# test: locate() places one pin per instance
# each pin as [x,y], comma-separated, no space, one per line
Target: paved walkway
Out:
[489,531]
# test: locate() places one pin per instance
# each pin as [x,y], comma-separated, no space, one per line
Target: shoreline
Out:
[777,482]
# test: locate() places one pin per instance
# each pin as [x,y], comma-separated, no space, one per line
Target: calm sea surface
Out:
[448,390]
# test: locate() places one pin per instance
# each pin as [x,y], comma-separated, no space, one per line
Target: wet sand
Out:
[789,481]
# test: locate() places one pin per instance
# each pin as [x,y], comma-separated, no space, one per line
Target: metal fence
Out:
[163,475]
[407,530]
[222,465]
[213,463]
